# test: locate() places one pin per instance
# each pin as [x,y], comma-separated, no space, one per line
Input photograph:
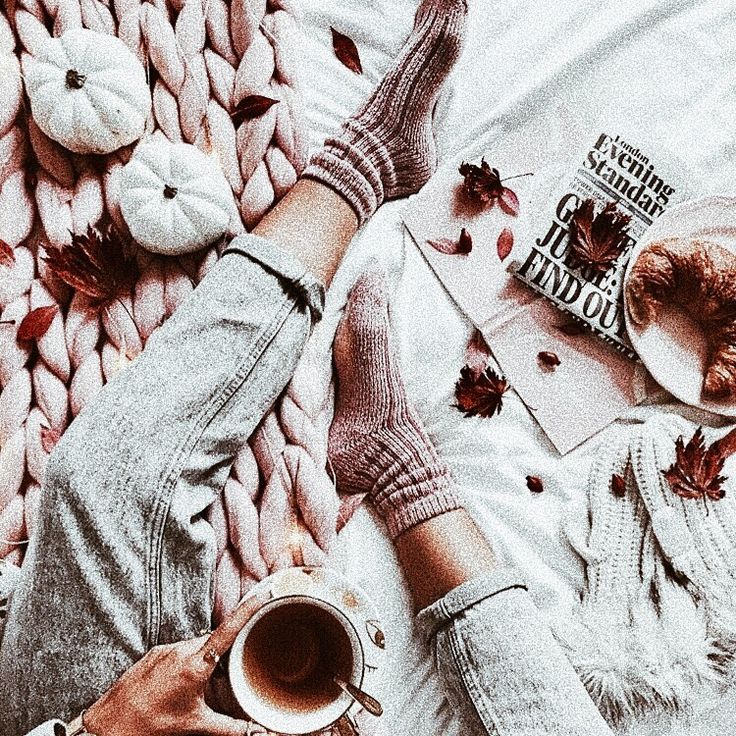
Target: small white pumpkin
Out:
[174,198]
[88,91]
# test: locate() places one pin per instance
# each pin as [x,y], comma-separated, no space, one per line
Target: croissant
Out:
[699,277]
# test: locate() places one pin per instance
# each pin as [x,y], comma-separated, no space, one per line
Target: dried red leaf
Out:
[37,322]
[696,471]
[477,352]
[598,240]
[505,243]
[251,107]
[479,392]
[534,484]
[49,438]
[7,256]
[346,51]
[618,485]
[460,247]
[549,359]
[482,183]
[509,202]
[95,264]
[572,328]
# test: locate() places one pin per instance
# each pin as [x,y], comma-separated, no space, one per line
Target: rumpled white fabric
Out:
[535,73]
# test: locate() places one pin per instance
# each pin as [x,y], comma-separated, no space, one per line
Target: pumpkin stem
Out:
[75,80]
[170,192]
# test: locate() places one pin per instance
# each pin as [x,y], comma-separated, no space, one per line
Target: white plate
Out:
[673,347]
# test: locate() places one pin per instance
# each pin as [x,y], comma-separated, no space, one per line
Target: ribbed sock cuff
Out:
[416,496]
[345,166]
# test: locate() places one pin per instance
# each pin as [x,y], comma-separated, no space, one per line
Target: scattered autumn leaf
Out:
[483,184]
[95,264]
[251,107]
[618,485]
[505,243]
[37,322]
[460,247]
[479,392]
[696,471]
[346,51]
[49,438]
[597,240]
[534,484]
[7,256]
[548,359]
[572,328]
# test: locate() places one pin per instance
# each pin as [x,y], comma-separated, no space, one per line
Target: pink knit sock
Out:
[387,149]
[377,444]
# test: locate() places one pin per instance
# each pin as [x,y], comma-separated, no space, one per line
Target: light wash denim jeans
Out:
[123,559]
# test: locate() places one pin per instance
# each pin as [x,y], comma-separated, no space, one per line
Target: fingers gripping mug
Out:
[316,626]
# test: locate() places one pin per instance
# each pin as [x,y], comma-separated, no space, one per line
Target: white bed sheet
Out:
[535,76]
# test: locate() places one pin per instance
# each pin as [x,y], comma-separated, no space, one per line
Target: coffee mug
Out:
[317,625]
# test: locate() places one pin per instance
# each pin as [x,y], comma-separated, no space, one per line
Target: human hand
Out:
[163,693]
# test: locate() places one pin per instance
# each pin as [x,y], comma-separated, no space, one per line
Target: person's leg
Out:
[122,558]
[502,667]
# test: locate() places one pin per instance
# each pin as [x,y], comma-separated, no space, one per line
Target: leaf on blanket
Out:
[548,359]
[7,256]
[37,322]
[534,484]
[346,51]
[479,392]
[460,247]
[251,107]
[96,264]
[505,243]
[483,185]
[597,240]
[618,485]
[696,471]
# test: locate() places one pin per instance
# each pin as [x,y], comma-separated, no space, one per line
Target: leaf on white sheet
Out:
[548,359]
[460,247]
[37,322]
[534,484]
[505,243]
[479,392]
[346,51]
[483,185]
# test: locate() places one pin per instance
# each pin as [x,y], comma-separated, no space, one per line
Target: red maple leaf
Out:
[96,263]
[597,240]
[479,391]
[696,472]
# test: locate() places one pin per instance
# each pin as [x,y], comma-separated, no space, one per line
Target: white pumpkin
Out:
[88,91]
[174,198]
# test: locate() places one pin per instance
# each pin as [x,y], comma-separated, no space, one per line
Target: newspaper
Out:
[613,170]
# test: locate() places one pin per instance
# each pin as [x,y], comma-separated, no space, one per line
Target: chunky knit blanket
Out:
[279,506]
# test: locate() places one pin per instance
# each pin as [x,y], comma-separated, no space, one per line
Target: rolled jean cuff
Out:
[295,277]
[443,611]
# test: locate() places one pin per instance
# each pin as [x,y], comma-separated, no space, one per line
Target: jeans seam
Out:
[168,483]
[469,683]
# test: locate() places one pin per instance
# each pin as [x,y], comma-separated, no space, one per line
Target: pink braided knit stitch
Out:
[197,50]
